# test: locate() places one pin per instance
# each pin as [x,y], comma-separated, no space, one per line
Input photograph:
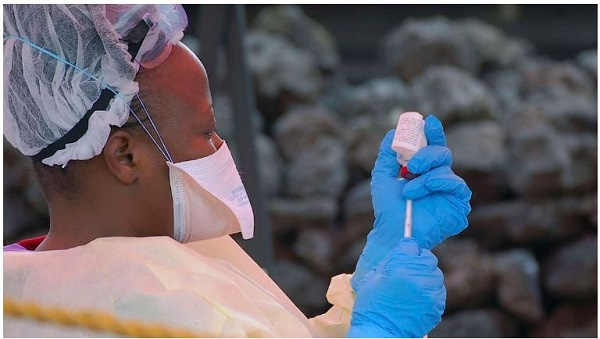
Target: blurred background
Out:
[516,89]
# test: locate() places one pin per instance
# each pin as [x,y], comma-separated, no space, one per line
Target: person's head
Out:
[126,170]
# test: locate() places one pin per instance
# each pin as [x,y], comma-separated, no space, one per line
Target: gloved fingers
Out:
[386,165]
[439,180]
[455,223]
[409,255]
[434,131]
[430,157]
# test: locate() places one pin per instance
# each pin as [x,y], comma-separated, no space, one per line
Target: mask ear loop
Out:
[164,152]
[155,129]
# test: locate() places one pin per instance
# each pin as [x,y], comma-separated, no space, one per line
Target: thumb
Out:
[408,247]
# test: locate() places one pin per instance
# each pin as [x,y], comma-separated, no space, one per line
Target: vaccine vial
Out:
[408,139]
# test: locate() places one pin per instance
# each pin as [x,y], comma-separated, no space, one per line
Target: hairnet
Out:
[59,58]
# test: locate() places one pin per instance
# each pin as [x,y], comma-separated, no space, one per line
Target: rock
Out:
[289,21]
[303,287]
[519,285]
[290,214]
[283,74]
[269,165]
[486,40]
[318,171]
[571,271]
[358,212]
[570,321]
[549,138]
[347,261]
[479,157]
[478,146]
[566,111]
[468,273]
[452,95]
[506,86]
[315,246]
[364,135]
[301,128]
[519,222]
[469,44]
[540,75]
[589,61]
[479,323]
[376,97]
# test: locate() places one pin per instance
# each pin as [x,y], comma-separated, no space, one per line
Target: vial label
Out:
[409,131]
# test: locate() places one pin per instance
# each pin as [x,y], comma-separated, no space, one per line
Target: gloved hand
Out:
[403,297]
[440,199]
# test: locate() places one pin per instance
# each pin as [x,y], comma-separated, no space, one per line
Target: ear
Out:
[122,154]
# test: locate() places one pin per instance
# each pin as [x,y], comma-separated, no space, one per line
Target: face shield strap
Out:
[135,40]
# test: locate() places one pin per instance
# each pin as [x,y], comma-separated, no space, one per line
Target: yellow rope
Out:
[94,320]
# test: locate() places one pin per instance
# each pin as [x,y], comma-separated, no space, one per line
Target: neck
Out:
[75,224]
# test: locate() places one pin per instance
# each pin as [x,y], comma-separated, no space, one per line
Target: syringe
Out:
[408,139]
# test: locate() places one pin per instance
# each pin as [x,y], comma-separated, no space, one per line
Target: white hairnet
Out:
[59,58]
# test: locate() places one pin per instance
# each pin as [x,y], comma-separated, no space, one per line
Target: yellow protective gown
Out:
[210,287]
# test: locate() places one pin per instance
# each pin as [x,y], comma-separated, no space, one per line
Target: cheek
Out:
[159,206]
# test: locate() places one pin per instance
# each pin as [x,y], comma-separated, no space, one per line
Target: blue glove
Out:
[403,297]
[440,199]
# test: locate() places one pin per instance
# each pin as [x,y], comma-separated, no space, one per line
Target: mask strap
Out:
[164,152]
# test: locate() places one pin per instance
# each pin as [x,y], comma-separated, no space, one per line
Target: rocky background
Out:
[523,131]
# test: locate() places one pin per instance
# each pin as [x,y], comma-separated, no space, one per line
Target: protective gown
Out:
[210,287]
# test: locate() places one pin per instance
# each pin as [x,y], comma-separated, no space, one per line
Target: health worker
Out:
[117,118]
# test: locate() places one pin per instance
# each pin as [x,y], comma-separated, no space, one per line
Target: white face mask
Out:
[209,198]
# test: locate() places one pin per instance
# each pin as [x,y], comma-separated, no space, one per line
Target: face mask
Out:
[209,198]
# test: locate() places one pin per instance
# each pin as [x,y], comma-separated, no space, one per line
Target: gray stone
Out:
[283,73]
[486,40]
[269,165]
[543,146]
[479,323]
[479,157]
[301,128]
[347,261]
[358,212]
[468,273]
[570,321]
[478,145]
[506,86]
[541,74]
[518,289]
[289,21]
[315,246]
[571,271]
[289,214]
[519,222]
[568,112]
[364,135]
[375,97]
[318,171]
[452,95]
[306,289]
[469,44]
[589,61]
